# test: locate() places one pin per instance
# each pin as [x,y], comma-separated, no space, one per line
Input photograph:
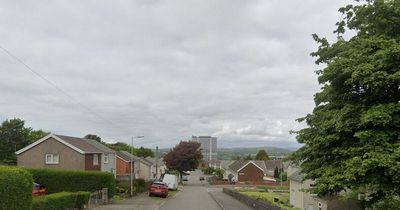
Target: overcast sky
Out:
[166,69]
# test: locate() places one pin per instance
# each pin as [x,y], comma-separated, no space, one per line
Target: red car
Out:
[159,189]
[38,189]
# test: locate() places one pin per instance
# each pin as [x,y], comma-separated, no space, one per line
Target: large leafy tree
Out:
[186,156]
[93,137]
[353,136]
[14,136]
[261,155]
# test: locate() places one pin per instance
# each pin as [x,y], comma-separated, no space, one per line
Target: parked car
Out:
[201,178]
[159,189]
[171,181]
[185,178]
[38,189]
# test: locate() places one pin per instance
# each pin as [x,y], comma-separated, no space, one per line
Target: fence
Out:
[256,204]
[98,197]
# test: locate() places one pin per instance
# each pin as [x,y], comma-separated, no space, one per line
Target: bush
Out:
[15,188]
[72,181]
[60,201]
[139,186]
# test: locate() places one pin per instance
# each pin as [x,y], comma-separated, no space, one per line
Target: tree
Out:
[93,137]
[248,157]
[352,139]
[15,136]
[144,152]
[185,156]
[276,172]
[261,155]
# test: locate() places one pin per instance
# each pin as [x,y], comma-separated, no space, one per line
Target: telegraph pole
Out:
[156,162]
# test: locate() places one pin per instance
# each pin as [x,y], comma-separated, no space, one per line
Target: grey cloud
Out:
[164,69]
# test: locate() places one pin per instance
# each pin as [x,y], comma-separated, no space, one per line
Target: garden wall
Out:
[256,204]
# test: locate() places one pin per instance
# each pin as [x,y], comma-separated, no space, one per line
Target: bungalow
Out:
[141,166]
[248,171]
[68,153]
[161,167]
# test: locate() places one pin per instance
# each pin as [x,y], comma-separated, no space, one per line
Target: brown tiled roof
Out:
[80,143]
[127,156]
[240,163]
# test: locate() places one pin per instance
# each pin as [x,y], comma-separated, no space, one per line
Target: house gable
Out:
[250,172]
[46,138]
[250,162]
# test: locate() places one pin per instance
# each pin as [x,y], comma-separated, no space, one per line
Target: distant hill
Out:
[232,153]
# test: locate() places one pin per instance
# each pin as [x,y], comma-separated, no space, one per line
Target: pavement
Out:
[195,195]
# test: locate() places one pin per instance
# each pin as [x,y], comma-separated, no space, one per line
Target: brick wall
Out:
[250,173]
[256,204]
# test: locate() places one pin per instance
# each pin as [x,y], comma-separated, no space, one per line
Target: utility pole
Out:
[156,161]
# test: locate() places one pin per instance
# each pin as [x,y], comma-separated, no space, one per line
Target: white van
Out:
[171,181]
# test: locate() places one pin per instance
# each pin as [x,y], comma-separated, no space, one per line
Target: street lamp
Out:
[133,137]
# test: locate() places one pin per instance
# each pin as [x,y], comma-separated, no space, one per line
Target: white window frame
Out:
[106,158]
[319,206]
[96,160]
[53,159]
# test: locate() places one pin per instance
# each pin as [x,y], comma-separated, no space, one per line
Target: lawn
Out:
[269,197]
[273,187]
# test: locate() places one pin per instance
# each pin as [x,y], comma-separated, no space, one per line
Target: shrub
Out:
[15,188]
[139,186]
[72,181]
[60,201]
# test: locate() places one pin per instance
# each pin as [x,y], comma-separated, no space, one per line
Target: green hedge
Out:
[60,180]
[60,201]
[15,188]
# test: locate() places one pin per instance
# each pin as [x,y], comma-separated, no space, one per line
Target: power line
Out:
[88,109]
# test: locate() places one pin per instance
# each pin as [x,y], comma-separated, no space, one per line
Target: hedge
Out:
[60,201]
[15,188]
[71,181]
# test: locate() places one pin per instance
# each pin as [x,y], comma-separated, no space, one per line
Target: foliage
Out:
[353,138]
[93,137]
[61,180]
[139,186]
[218,172]
[60,201]
[185,156]
[276,172]
[140,152]
[144,152]
[15,188]
[14,136]
[261,155]
[269,197]
[233,153]
[248,157]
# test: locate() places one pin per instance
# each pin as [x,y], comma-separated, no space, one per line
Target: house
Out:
[248,171]
[301,199]
[144,169]
[124,163]
[141,166]
[224,164]
[161,167]
[68,153]
[298,197]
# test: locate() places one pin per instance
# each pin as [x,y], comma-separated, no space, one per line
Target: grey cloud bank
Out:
[239,70]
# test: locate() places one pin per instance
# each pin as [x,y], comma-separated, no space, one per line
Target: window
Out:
[95,159]
[52,159]
[105,158]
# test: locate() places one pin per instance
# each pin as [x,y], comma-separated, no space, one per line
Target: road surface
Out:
[193,196]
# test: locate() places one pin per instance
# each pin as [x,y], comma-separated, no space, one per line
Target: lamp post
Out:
[133,137]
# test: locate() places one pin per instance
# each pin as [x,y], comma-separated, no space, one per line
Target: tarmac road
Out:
[193,196]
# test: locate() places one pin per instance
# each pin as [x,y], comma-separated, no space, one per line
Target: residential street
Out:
[195,195]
